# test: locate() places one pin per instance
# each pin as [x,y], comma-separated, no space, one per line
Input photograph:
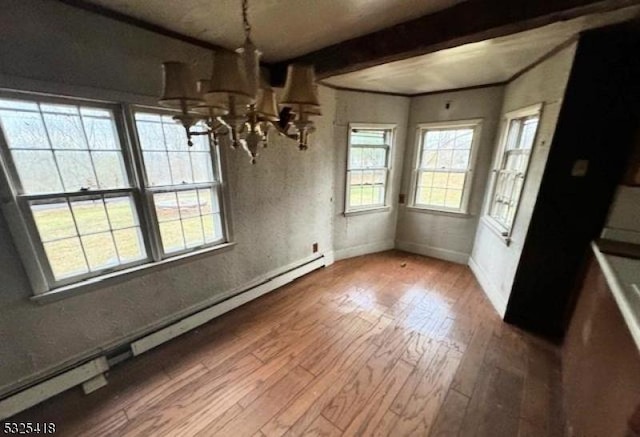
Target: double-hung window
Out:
[368,165]
[81,207]
[443,165]
[512,163]
[180,183]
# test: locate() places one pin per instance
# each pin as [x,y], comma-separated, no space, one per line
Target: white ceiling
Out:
[480,63]
[282,29]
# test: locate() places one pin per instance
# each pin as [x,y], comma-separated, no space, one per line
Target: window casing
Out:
[368,166]
[444,160]
[76,198]
[511,166]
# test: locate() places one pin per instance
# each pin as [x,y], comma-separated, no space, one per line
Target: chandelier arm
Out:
[245,19]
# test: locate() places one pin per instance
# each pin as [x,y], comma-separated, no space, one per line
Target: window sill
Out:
[354,212]
[125,275]
[497,229]
[435,211]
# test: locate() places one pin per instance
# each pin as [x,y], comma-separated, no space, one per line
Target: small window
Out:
[511,166]
[182,182]
[442,173]
[368,166]
[73,184]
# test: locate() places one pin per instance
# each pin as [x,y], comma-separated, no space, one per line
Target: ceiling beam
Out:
[467,22]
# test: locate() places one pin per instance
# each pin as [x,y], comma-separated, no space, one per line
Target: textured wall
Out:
[279,207]
[375,231]
[449,236]
[492,258]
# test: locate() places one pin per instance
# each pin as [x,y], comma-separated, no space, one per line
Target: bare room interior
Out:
[320,218]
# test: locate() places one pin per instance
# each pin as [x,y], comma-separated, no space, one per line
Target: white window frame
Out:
[349,210]
[421,129]
[498,227]
[23,229]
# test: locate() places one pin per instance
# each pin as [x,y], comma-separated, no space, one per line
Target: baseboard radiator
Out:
[91,374]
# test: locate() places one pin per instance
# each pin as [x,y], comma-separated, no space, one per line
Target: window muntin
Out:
[368,167]
[73,185]
[443,166]
[82,205]
[512,165]
[183,184]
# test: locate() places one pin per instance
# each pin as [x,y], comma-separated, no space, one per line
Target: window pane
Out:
[175,136]
[157,168]
[447,139]
[461,159]
[356,177]
[110,170]
[100,251]
[37,171]
[76,169]
[150,133]
[445,159]
[193,231]
[101,133]
[374,157]
[24,130]
[356,157]
[189,204]
[66,258]
[423,196]
[355,195]
[453,199]
[208,199]
[528,133]
[429,159]
[368,136]
[438,196]
[440,180]
[202,169]
[90,216]
[180,167]
[212,226]
[172,238]
[431,139]
[456,181]
[463,139]
[129,245]
[166,206]
[514,133]
[54,220]
[425,179]
[121,212]
[65,131]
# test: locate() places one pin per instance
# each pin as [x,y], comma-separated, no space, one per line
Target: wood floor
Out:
[386,344]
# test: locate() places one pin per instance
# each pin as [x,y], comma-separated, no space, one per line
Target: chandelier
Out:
[237,101]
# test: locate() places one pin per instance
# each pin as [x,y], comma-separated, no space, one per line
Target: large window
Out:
[80,200]
[368,166]
[444,161]
[511,166]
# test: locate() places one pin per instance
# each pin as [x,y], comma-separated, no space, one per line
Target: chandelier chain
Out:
[245,18]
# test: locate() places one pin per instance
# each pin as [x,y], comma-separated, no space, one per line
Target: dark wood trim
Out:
[356,90]
[466,88]
[544,57]
[118,16]
[466,22]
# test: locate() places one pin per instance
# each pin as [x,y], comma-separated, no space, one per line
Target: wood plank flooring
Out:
[389,344]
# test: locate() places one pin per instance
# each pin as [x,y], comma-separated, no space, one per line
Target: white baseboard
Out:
[435,252]
[70,375]
[193,321]
[364,249]
[51,387]
[490,289]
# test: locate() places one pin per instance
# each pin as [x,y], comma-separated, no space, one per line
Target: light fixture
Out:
[238,102]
